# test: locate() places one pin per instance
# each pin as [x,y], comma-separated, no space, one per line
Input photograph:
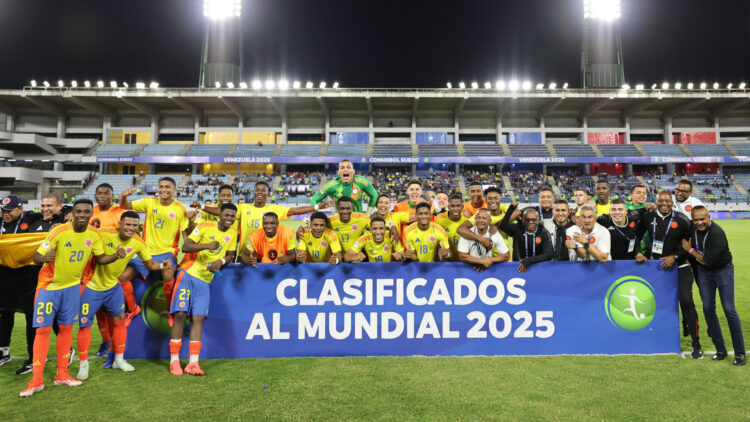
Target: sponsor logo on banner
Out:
[630,303]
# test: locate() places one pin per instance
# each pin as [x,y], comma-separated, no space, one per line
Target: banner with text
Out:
[432,309]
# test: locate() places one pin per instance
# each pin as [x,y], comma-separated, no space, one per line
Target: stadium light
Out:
[217,84]
[335,85]
[222,9]
[665,85]
[513,85]
[283,84]
[487,85]
[296,84]
[322,85]
[552,85]
[690,85]
[74,83]
[539,87]
[87,84]
[46,84]
[626,87]
[309,85]
[153,85]
[33,83]
[257,84]
[526,85]
[500,85]
[729,86]
[230,85]
[100,84]
[125,84]
[243,85]
[141,85]
[716,85]
[608,10]
[639,87]
[462,85]
[60,83]
[565,85]
[653,86]
[270,84]
[677,85]
[474,85]
[742,85]
[703,85]
[113,84]
[449,85]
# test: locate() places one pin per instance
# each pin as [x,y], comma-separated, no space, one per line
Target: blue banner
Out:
[444,309]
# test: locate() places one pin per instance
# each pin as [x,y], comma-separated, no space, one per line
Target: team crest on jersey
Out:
[89,242]
[432,238]
[674,224]
[172,215]
[84,320]
[390,223]
[688,208]
[226,238]
[386,248]
[355,191]
[323,243]
[273,254]
[24,226]
[182,304]
[129,249]
[355,227]
[45,244]
[592,239]
[40,320]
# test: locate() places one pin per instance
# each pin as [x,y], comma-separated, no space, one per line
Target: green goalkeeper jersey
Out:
[356,190]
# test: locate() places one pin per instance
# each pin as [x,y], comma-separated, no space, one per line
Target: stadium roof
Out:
[384,102]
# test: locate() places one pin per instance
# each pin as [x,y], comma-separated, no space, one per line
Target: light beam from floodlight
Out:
[283,84]
[322,85]
[74,84]
[125,84]
[678,85]
[500,85]
[626,87]
[243,85]
[217,84]
[153,85]
[742,85]
[142,85]
[487,85]
[270,84]
[100,84]
[46,84]
[296,84]
[565,85]
[653,86]
[608,10]
[257,84]
[539,87]
[639,87]
[513,85]
[665,85]
[222,9]
[729,85]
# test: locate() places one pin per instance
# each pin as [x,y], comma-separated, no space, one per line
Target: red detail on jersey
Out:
[688,208]
[323,243]
[89,242]
[23,226]
[674,224]
[568,238]
[128,249]
[84,320]
[40,320]
[226,238]
[538,239]
[632,224]
[355,227]
[592,239]
[432,238]
[172,215]
[385,248]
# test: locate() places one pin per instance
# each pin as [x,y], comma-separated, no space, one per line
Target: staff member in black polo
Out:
[556,228]
[709,247]
[531,243]
[667,229]
[622,225]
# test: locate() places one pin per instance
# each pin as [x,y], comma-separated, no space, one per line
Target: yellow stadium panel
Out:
[260,138]
[256,168]
[220,138]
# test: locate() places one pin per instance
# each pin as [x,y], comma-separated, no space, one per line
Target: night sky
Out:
[383,43]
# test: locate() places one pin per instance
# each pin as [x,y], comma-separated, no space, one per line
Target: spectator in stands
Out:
[557,227]
[684,201]
[590,241]
[531,242]
[715,271]
[475,253]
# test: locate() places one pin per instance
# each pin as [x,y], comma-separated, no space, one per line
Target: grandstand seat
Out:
[708,150]
[570,150]
[609,150]
[666,150]
[446,150]
[391,150]
[162,149]
[488,150]
[742,148]
[299,150]
[255,150]
[115,150]
[208,150]
[347,150]
[536,150]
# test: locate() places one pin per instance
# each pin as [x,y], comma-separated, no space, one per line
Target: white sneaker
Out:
[83,370]
[123,365]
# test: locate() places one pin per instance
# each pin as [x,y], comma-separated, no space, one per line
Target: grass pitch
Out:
[415,388]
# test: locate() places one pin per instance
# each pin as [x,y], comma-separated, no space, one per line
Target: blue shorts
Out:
[141,269]
[57,305]
[112,300]
[190,295]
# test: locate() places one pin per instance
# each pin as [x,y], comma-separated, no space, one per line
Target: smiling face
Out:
[530,220]
[414,192]
[226,218]
[166,190]
[50,207]
[602,191]
[482,219]
[664,202]
[345,209]
[560,212]
[423,217]
[442,200]
[128,227]
[377,229]
[346,171]
[682,191]
[225,196]
[476,194]
[617,212]
[383,205]
[701,218]
[260,195]
[493,201]
[317,227]
[270,224]
[455,207]
[81,216]
[546,199]
[10,216]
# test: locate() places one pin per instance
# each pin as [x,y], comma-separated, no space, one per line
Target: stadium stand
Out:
[297,150]
[708,150]
[742,148]
[478,150]
[663,150]
[119,183]
[391,150]
[156,150]
[347,150]
[619,150]
[199,150]
[255,150]
[438,151]
[528,150]
[567,150]
[115,150]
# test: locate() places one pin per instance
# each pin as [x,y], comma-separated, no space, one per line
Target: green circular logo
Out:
[155,308]
[630,303]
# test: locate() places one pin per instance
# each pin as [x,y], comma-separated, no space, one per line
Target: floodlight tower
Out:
[601,55]
[221,56]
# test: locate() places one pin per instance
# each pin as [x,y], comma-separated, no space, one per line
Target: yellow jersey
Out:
[250,218]
[377,252]
[397,219]
[602,209]
[450,227]
[425,242]
[73,253]
[163,224]
[320,249]
[195,263]
[348,233]
[106,276]
[204,217]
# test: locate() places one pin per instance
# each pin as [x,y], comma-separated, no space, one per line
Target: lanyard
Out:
[533,243]
[18,223]
[620,231]
[703,250]
[669,226]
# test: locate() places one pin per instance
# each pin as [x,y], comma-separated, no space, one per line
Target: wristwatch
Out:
[586,245]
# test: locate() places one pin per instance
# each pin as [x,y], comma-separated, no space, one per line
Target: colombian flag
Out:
[17,250]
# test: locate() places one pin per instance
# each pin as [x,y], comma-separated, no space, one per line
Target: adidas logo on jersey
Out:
[110,245]
[68,245]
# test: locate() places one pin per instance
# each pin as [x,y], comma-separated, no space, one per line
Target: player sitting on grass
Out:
[65,254]
[376,246]
[102,291]
[208,248]
[319,243]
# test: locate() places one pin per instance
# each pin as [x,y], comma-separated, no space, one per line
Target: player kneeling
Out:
[103,291]
[319,243]
[376,246]
[210,246]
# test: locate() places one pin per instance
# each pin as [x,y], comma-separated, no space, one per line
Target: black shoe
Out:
[739,360]
[4,358]
[719,355]
[25,369]
[697,352]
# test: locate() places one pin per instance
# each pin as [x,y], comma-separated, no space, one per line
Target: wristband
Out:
[690,252]
[316,207]
[223,261]
[161,265]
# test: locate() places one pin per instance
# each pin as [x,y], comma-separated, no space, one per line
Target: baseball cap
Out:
[11,202]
